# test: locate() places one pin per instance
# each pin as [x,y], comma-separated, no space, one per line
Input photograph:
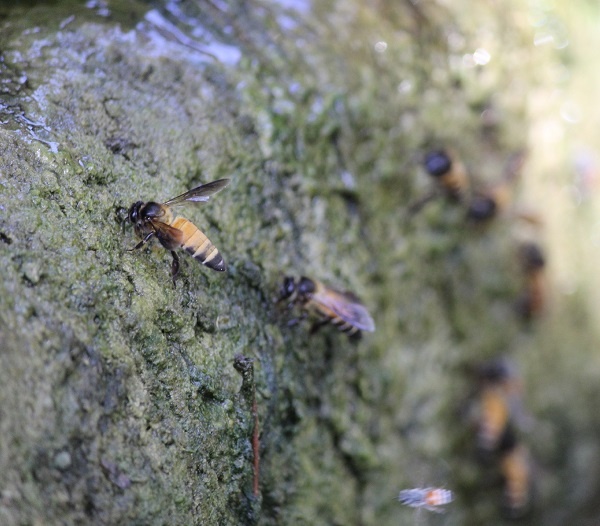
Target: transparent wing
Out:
[199,194]
[347,306]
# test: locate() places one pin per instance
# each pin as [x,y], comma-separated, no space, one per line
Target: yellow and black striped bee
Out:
[532,301]
[449,171]
[342,309]
[158,220]
[499,399]
[488,203]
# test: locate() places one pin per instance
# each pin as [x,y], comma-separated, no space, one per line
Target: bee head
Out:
[437,163]
[134,212]
[305,286]
[532,257]
[497,371]
[482,208]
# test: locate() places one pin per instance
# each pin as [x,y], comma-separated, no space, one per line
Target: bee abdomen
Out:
[342,325]
[206,253]
[196,244]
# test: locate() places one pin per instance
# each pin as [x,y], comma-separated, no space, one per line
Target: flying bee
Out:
[449,171]
[342,309]
[532,301]
[516,469]
[429,498]
[158,220]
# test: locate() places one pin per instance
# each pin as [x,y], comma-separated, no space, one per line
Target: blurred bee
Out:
[158,220]
[342,309]
[429,498]
[449,171]
[533,300]
[499,398]
[450,174]
[487,204]
[516,469]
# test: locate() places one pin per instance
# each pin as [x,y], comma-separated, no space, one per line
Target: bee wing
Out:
[199,194]
[169,236]
[347,306]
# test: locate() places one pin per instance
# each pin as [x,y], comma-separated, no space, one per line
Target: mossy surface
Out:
[119,403]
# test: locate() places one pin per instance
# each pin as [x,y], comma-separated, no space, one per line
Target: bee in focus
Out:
[499,398]
[158,220]
[449,171]
[516,470]
[533,299]
[429,498]
[342,309]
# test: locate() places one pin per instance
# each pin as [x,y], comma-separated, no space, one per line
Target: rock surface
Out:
[119,402]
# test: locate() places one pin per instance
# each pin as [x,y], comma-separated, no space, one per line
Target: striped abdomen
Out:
[516,471]
[328,314]
[198,245]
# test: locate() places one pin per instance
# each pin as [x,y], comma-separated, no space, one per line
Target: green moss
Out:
[120,400]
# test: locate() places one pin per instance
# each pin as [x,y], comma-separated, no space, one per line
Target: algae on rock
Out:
[119,400]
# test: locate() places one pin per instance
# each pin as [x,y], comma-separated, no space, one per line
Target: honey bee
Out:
[449,171]
[516,469]
[450,174]
[488,203]
[342,309]
[533,299]
[494,418]
[429,498]
[498,400]
[158,220]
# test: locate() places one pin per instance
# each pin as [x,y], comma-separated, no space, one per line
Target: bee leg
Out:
[142,242]
[174,266]
[416,207]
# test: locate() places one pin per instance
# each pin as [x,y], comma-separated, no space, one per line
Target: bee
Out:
[494,418]
[533,299]
[498,401]
[450,174]
[487,204]
[516,470]
[342,309]
[158,220]
[449,171]
[429,498]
